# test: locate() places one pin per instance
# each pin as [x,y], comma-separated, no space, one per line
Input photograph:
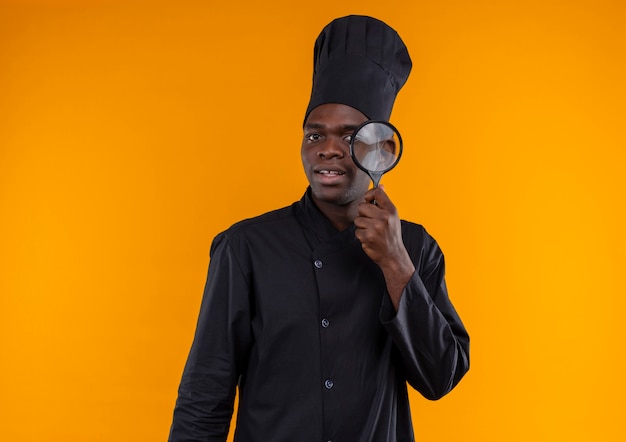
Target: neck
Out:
[341,217]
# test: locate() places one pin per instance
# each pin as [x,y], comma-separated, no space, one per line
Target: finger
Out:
[363,221]
[370,195]
[381,197]
[367,209]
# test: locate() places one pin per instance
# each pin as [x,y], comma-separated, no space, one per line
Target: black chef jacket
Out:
[297,316]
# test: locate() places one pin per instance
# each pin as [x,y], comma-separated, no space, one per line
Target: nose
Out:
[334,147]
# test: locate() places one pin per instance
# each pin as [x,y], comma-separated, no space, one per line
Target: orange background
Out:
[131,132]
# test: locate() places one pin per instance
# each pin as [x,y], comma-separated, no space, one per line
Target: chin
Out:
[339,197]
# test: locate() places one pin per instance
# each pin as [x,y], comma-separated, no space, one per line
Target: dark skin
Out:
[340,191]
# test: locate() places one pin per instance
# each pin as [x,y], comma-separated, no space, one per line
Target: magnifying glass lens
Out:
[376,147]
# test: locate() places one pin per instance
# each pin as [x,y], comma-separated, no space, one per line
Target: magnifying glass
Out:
[376,147]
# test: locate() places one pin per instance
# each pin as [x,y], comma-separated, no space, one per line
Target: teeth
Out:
[330,172]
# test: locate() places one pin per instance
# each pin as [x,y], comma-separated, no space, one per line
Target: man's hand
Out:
[378,229]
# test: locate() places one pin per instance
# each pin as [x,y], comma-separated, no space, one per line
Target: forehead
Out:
[334,114]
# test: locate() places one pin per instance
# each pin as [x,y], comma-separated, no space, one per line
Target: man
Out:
[321,312]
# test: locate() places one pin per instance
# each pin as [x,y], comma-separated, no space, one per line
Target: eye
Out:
[348,138]
[312,138]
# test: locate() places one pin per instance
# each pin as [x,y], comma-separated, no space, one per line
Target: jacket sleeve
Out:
[204,406]
[431,339]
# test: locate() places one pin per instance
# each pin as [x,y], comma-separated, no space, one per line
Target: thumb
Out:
[381,196]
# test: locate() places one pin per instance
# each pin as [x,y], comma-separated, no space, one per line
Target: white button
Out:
[328,384]
[318,264]
[325,322]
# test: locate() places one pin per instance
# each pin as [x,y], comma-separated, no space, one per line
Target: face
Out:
[332,175]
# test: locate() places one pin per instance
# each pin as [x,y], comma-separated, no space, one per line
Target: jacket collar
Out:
[317,227]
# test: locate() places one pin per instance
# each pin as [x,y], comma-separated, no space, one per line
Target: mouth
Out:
[330,176]
[330,172]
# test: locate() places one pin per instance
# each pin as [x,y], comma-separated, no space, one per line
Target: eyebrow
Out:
[342,128]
